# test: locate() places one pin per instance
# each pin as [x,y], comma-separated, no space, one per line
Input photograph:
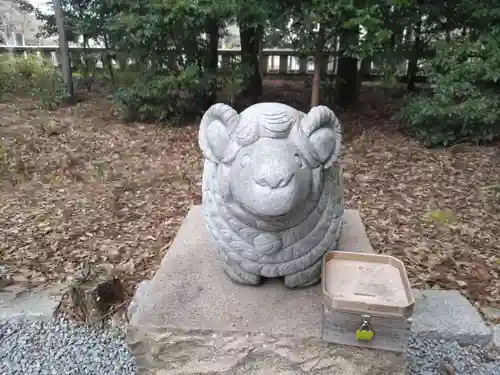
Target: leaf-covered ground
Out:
[77,186]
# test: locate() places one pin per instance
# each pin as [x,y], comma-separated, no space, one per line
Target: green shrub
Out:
[230,86]
[464,102]
[49,89]
[33,76]
[6,73]
[125,78]
[162,97]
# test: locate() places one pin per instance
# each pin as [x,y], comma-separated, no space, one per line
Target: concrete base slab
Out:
[180,352]
[353,236]
[140,291]
[446,314]
[38,302]
[192,319]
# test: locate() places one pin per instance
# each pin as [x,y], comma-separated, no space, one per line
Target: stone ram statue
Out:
[272,190]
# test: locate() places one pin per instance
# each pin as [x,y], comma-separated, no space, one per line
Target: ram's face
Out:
[270,177]
[265,157]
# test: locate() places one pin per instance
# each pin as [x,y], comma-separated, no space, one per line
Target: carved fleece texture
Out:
[238,205]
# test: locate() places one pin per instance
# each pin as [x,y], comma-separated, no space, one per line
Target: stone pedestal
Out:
[192,319]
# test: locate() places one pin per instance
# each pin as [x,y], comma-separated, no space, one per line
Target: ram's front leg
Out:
[240,276]
[307,277]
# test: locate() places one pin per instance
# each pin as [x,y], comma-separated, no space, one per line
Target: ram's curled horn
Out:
[216,127]
[225,113]
[317,117]
[324,131]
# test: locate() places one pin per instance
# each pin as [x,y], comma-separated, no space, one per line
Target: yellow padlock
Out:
[365,331]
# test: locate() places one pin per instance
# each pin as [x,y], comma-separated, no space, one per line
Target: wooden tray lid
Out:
[366,283]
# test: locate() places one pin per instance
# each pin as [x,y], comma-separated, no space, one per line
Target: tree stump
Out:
[94,294]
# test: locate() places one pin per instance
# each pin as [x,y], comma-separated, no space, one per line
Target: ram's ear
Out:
[215,135]
[324,132]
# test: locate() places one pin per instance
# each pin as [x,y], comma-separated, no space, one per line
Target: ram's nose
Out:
[273,180]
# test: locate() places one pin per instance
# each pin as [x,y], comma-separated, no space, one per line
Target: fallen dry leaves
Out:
[437,210]
[80,187]
[97,191]
[429,209]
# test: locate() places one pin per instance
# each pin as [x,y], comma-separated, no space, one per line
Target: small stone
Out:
[461,283]
[445,368]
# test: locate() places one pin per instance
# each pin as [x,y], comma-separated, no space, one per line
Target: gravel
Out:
[432,357]
[34,347]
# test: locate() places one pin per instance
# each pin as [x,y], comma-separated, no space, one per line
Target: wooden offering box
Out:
[367,301]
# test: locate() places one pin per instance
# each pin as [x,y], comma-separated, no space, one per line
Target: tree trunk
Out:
[319,59]
[346,85]
[331,77]
[363,73]
[87,79]
[95,294]
[211,60]
[64,49]
[335,55]
[260,56]
[366,68]
[415,55]
[250,37]
[108,58]
[448,36]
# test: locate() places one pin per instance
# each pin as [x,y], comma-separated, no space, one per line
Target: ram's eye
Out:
[245,160]
[298,159]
